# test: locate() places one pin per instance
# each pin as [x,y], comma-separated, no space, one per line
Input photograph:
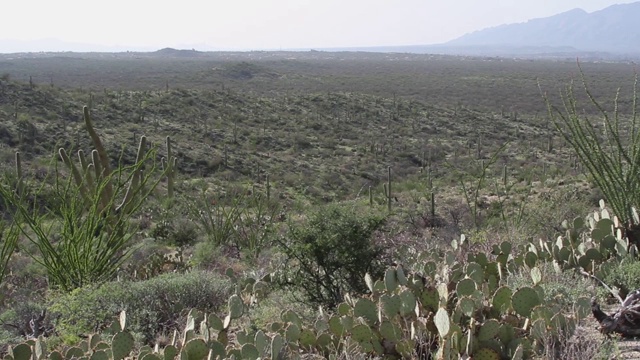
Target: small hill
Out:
[171,52]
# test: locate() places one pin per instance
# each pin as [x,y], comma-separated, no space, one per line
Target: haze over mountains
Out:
[612,32]
[614,29]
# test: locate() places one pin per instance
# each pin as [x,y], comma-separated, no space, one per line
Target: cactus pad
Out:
[250,352]
[408,302]
[169,352]
[149,356]
[442,322]
[390,280]
[276,346]
[536,275]
[443,292]
[430,268]
[195,349]
[361,333]
[475,271]
[538,329]
[465,287]
[55,355]
[505,247]
[489,330]
[307,338]
[369,281]
[502,299]
[121,345]
[292,333]
[22,352]
[506,334]
[321,325]
[324,340]
[400,276]
[523,300]
[430,299]
[366,309]
[486,354]
[344,309]
[236,307]
[335,326]
[94,340]
[530,259]
[390,305]
[242,338]
[390,332]
[467,306]
[123,319]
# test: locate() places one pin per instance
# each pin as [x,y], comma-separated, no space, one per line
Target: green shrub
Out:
[153,307]
[625,276]
[329,255]
[563,288]
[180,232]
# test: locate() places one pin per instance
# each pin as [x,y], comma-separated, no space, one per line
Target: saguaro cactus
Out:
[387,188]
[170,168]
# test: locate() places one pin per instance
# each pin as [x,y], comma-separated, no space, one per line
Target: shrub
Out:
[329,255]
[179,232]
[624,276]
[153,307]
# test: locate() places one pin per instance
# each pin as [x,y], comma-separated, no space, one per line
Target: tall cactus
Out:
[170,168]
[387,188]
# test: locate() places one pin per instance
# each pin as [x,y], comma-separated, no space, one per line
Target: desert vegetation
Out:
[314,205]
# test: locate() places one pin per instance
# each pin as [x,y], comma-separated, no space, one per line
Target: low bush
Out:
[329,255]
[625,276]
[153,307]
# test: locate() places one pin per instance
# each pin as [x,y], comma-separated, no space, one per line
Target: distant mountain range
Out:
[613,32]
[614,29]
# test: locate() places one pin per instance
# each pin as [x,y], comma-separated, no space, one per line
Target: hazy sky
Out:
[265,24]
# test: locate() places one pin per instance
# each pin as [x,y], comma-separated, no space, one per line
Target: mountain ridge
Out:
[612,29]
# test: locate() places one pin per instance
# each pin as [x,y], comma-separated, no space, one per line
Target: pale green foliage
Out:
[608,147]
[8,241]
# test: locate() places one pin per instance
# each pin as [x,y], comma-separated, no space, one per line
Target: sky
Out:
[116,25]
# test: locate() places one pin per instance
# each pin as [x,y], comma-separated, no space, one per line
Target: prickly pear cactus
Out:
[121,345]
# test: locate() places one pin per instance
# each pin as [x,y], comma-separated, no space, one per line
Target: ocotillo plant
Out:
[100,164]
[20,185]
[268,185]
[95,172]
[92,218]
